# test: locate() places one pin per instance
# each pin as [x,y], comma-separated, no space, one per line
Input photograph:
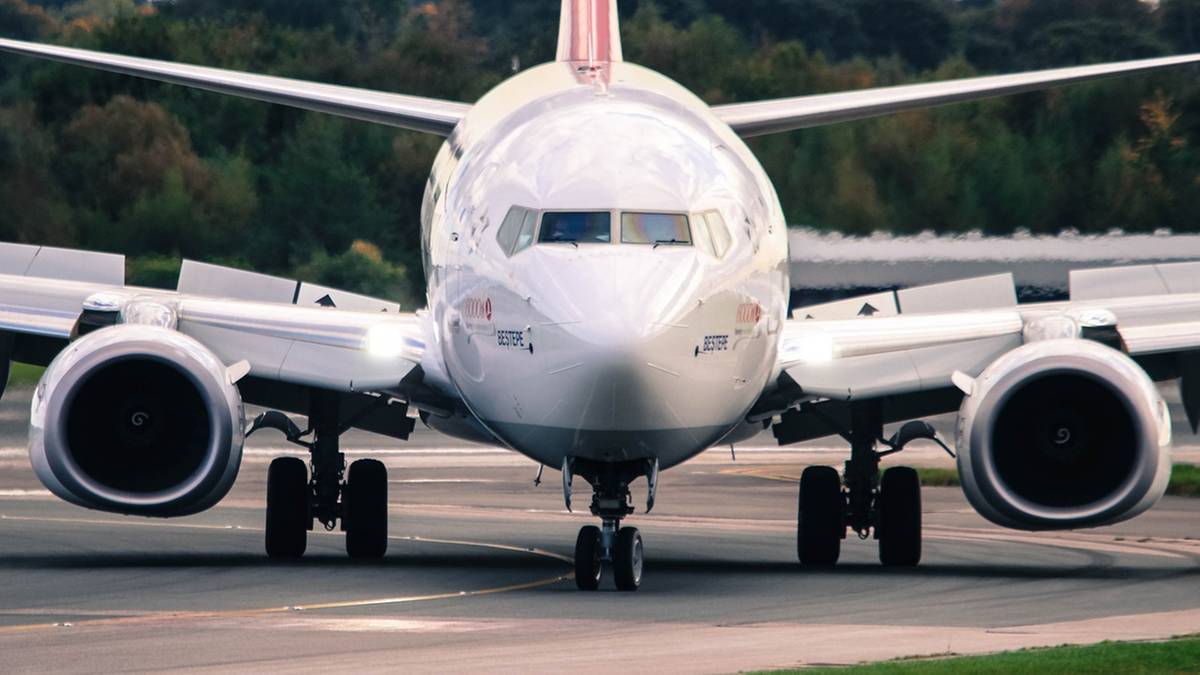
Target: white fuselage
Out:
[616,350]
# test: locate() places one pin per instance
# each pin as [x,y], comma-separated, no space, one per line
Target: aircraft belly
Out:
[549,444]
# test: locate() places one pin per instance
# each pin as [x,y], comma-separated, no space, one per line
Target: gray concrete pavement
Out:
[477,577]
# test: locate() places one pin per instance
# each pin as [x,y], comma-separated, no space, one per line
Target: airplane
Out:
[607,294]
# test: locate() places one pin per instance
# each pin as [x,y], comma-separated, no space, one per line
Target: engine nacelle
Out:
[1063,434]
[139,420]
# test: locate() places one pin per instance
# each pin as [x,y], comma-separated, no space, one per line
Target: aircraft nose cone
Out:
[617,321]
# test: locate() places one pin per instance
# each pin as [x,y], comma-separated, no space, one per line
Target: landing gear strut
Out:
[887,503]
[295,501]
[610,544]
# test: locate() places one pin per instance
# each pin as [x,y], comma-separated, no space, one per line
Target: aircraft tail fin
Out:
[589,32]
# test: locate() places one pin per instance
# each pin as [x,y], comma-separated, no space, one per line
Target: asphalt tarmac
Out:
[477,576]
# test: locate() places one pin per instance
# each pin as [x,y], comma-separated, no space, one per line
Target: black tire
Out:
[365,509]
[288,519]
[820,522]
[587,558]
[628,557]
[899,527]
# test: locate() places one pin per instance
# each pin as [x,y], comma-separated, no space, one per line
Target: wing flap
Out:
[875,304]
[62,263]
[995,291]
[1135,280]
[215,281]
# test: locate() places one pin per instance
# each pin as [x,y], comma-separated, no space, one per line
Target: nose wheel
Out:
[589,558]
[610,545]
[625,555]
[627,559]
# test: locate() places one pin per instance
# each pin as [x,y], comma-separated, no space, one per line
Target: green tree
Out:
[360,269]
[33,207]
[919,31]
[23,21]
[316,198]
[1180,24]
[124,150]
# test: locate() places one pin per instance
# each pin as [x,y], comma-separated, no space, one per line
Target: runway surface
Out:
[477,576]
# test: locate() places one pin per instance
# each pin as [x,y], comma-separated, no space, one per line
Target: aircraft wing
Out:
[926,341]
[415,113]
[280,330]
[802,112]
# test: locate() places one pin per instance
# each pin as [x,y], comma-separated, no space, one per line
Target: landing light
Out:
[385,340]
[812,347]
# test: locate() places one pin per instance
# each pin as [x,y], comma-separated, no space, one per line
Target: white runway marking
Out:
[421,481]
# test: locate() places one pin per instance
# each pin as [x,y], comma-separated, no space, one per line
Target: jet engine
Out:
[137,419]
[1063,434]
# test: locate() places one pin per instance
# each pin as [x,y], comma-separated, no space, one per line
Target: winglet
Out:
[589,32]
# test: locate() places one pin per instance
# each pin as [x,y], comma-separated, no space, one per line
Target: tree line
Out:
[158,172]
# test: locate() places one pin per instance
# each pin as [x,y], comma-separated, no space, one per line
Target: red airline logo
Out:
[478,308]
[749,312]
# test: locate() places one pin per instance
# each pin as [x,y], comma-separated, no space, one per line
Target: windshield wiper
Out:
[671,242]
[559,239]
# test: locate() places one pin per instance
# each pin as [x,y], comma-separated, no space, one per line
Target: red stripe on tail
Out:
[589,32]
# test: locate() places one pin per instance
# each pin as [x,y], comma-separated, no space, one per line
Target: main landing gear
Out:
[295,500]
[610,544]
[888,503]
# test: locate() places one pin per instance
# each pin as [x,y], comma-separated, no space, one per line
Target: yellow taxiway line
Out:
[144,617]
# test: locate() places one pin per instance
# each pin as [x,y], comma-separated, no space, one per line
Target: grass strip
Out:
[24,375]
[1181,655]
[1185,479]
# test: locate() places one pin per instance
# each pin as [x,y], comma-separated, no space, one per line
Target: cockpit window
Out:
[516,232]
[510,228]
[528,227]
[576,228]
[655,228]
[721,239]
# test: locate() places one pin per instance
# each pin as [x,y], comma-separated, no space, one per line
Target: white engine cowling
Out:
[139,420]
[1063,434]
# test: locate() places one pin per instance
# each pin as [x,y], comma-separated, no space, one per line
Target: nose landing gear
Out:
[620,548]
